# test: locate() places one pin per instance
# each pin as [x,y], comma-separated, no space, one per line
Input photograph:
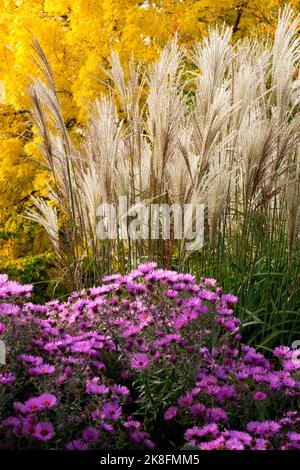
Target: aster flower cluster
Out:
[150,359]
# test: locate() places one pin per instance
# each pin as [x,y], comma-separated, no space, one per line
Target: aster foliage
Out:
[148,360]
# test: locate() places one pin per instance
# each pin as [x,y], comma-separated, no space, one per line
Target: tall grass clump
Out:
[217,125]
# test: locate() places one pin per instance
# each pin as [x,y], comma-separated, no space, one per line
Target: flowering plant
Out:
[150,359]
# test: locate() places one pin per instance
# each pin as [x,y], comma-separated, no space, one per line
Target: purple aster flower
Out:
[197,410]
[139,361]
[224,310]
[11,422]
[34,405]
[44,369]
[170,413]
[265,428]
[32,360]
[108,427]
[20,407]
[261,444]
[291,365]
[134,288]
[225,392]
[6,378]
[77,444]
[132,424]
[111,411]
[234,444]
[9,309]
[215,444]
[92,387]
[120,390]
[146,268]
[44,431]
[229,298]
[209,281]
[208,295]
[28,428]
[259,396]
[171,293]
[288,382]
[99,365]
[47,400]
[82,347]
[282,351]
[3,279]
[185,400]
[243,437]
[214,415]
[149,444]
[294,436]
[139,436]
[197,432]
[91,435]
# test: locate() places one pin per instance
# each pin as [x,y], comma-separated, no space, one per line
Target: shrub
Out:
[150,359]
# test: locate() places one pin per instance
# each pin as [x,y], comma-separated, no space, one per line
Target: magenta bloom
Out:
[132,424]
[234,444]
[281,351]
[185,400]
[28,429]
[91,435]
[44,369]
[261,444]
[171,293]
[229,298]
[92,387]
[34,405]
[170,413]
[146,268]
[197,432]
[20,407]
[32,360]
[107,427]
[77,444]
[294,436]
[197,410]
[7,378]
[139,361]
[121,390]
[259,396]
[149,444]
[47,400]
[265,429]
[139,436]
[2,328]
[111,411]
[215,444]
[214,415]
[44,431]
[11,422]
